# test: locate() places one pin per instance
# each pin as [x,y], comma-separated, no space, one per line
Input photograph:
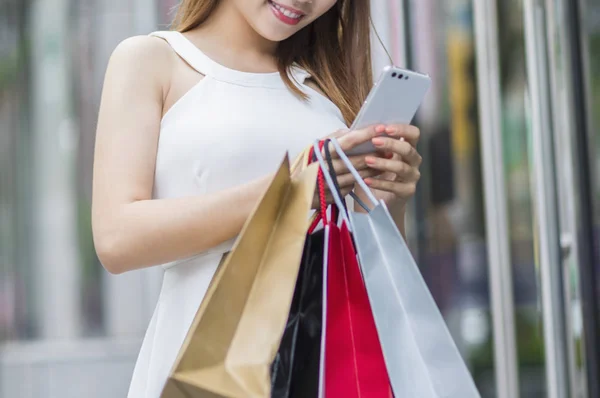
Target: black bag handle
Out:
[333,174]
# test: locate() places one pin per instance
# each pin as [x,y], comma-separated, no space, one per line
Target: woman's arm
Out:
[130,230]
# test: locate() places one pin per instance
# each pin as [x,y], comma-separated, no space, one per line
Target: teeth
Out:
[286,12]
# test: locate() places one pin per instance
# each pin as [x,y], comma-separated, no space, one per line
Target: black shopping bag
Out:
[295,371]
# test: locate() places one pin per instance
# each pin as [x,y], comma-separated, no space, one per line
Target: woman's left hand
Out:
[399,166]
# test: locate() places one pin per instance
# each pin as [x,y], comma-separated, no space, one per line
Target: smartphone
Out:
[394,99]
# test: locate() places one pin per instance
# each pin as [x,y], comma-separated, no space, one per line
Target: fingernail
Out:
[368,181]
[370,160]
[380,129]
[378,142]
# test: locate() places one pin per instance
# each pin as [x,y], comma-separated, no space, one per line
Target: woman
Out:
[194,122]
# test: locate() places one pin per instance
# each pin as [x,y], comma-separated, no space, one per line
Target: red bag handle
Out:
[322,216]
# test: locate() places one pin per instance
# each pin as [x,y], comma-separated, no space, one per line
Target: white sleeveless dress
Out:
[229,129]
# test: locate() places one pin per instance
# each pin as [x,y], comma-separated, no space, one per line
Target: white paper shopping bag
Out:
[421,356]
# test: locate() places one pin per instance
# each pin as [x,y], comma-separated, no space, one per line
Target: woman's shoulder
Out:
[143,49]
[143,56]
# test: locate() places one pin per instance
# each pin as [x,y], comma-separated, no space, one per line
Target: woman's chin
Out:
[276,34]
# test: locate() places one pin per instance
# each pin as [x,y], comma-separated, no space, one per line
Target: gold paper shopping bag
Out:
[238,327]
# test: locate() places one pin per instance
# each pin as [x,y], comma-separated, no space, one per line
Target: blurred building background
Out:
[505,225]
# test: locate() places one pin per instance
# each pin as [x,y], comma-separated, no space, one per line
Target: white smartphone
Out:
[394,99]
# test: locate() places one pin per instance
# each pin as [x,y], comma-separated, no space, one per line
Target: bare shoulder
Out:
[147,48]
[142,57]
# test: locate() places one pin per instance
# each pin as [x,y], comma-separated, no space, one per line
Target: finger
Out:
[412,134]
[407,152]
[340,167]
[357,137]
[339,133]
[403,170]
[346,180]
[400,189]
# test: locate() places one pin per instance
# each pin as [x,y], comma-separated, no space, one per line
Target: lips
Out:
[285,14]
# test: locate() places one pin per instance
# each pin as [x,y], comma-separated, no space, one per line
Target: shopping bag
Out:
[297,369]
[354,365]
[237,330]
[421,356]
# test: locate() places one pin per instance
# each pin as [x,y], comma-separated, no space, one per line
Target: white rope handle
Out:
[354,172]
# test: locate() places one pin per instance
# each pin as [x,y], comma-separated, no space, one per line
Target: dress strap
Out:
[298,74]
[187,51]
[208,67]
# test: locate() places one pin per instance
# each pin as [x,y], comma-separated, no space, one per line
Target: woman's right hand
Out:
[349,140]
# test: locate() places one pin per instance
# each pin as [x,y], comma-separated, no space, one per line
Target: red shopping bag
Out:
[353,359]
[354,363]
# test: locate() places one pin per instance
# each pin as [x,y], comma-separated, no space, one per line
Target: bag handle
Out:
[334,185]
[301,163]
[327,176]
[321,213]
[333,174]
[324,145]
[320,184]
[358,200]
[356,175]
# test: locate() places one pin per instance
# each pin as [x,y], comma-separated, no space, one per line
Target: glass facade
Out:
[516,120]
[449,238]
[60,308]
[589,32]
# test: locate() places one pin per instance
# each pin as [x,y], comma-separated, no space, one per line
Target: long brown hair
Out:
[335,49]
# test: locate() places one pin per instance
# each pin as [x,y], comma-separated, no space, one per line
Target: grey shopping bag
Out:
[421,356]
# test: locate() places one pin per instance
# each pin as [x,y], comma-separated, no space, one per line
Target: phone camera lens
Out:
[394,74]
[401,77]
